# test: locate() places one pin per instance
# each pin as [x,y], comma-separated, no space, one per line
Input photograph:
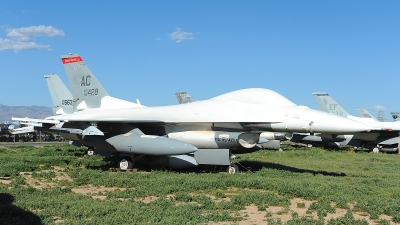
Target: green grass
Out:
[370,182]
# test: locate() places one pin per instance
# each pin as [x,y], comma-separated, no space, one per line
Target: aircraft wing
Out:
[37,122]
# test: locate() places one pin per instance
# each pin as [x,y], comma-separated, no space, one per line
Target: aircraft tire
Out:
[90,151]
[125,164]
[232,169]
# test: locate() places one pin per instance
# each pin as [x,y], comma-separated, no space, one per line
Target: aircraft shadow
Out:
[244,165]
[257,165]
[11,214]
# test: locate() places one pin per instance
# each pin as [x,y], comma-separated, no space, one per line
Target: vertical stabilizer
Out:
[382,116]
[86,90]
[365,114]
[60,95]
[327,104]
[184,97]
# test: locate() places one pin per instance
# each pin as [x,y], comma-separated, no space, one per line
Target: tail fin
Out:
[327,104]
[61,96]
[396,116]
[365,114]
[382,116]
[184,97]
[87,91]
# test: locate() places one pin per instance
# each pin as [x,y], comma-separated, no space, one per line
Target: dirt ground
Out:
[250,215]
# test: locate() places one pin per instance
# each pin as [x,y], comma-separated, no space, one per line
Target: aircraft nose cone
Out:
[340,125]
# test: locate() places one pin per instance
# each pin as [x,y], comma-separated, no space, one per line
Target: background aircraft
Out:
[396,116]
[60,95]
[382,116]
[62,104]
[385,136]
[364,113]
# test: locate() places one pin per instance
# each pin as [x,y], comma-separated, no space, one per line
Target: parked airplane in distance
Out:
[396,116]
[364,113]
[384,137]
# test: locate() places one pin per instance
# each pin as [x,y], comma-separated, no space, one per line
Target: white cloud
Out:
[179,35]
[379,107]
[36,31]
[15,45]
[21,38]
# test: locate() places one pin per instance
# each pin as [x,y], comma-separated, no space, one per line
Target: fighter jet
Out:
[384,135]
[8,128]
[382,116]
[396,116]
[60,95]
[364,113]
[202,132]
[184,97]
[62,105]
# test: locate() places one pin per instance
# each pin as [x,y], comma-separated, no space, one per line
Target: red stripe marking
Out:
[72,60]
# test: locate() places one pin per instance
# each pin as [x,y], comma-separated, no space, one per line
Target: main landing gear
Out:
[233,168]
[126,164]
[90,151]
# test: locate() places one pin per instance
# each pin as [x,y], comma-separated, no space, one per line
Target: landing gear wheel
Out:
[90,151]
[125,164]
[233,168]
[375,150]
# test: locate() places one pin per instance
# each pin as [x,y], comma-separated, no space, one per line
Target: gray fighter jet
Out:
[60,95]
[364,113]
[202,132]
[62,105]
[396,116]
[384,137]
[183,97]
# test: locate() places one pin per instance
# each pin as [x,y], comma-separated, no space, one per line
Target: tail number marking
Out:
[91,92]
[66,102]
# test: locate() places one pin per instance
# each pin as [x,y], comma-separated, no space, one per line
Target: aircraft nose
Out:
[340,125]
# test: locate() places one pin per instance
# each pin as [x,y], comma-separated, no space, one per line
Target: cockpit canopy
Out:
[256,96]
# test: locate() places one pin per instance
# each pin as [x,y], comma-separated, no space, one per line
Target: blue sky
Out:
[151,49]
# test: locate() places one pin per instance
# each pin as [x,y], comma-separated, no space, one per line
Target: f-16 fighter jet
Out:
[202,132]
